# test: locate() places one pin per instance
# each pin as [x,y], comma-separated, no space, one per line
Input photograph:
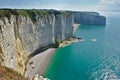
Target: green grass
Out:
[57,43]
[10,74]
[31,13]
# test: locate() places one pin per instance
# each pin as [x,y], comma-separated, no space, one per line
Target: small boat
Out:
[94,40]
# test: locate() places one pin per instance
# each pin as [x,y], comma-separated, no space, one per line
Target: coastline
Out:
[70,41]
[38,64]
[75,26]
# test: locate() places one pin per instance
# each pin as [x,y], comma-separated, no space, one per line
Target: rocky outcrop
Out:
[37,77]
[89,18]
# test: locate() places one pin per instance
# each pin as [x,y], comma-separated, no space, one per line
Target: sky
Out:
[75,5]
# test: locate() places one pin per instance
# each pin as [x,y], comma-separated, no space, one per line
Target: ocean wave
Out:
[108,68]
[104,74]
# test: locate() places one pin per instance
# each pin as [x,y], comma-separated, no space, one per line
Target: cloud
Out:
[110,2]
[67,7]
[110,5]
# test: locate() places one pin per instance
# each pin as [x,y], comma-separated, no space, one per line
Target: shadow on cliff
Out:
[41,49]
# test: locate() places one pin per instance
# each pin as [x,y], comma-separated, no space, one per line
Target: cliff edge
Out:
[24,33]
[89,18]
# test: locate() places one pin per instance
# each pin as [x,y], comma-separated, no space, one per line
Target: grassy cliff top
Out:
[9,74]
[26,12]
[31,13]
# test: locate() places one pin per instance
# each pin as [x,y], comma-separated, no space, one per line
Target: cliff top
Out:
[25,12]
[6,12]
[31,13]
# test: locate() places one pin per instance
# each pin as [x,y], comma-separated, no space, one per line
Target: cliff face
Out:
[89,18]
[24,32]
[20,37]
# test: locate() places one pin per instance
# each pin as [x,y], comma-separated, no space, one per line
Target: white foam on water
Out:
[108,68]
[104,74]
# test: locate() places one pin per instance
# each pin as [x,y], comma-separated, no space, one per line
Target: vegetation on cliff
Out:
[57,43]
[9,74]
[31,13]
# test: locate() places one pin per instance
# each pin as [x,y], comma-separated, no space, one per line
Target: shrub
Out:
[57,43]
[10,74]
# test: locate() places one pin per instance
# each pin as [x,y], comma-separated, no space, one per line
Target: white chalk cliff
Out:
[20,37]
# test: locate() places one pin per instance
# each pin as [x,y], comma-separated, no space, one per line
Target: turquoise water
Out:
[89,60]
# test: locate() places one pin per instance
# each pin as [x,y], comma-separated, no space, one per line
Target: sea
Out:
[95,58]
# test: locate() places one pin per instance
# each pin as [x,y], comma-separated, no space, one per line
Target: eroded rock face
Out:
[12,50]
[20,37]
[89,18]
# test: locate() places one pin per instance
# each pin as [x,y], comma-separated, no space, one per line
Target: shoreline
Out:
[75,26]
[38,63]
[70,41]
